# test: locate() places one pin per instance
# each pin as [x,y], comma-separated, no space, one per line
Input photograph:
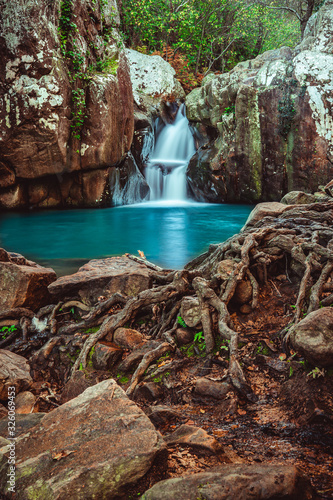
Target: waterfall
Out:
[166,166]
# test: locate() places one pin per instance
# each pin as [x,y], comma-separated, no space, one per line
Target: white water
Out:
[166,166]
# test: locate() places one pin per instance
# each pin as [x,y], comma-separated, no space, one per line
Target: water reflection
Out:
[168,235]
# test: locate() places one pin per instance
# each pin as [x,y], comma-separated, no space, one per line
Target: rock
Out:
[243,292]
[75,386]
[184,336]
[266,209]
[152,76]
[103,277]
[105,355]
[329,188]
[126,338]
[3,411]
[298,198]
[92,446]
[194,437]
[23,284]
[211,388]
[247,110]
[190,311]
[313,337]
[127,184]
[3,442]
[245,309]
[25,403]
[23,423]
[225,268]
[162,414]
[148,391]
[14,371]
[45,158]
[236,481]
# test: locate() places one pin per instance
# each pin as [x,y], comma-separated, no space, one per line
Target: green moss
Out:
[89,357]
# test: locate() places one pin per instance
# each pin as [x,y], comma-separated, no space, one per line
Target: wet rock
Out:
[25,403]
[23,423]
[211,388]
[162,414]
[313,337]
[14,371]
[243,292]
[298,198]
[184,336]
[190,311]
[23,283]
[244,482]
[127,184]
[103,277]
[92,446]
[105,355]
[127,338]
[194,437]
[148,391]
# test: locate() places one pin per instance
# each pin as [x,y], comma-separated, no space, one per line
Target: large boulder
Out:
[313,337]
[66,109]
[152,77]
[14,372]
[103,277]
[91,447]
[245,482]
[22,282]
[273,121]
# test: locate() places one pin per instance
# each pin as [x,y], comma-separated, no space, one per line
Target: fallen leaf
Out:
[62,454]
[141,254]
[282,356]
[202,411]
[241,412]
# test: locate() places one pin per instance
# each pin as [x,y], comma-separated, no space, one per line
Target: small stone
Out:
[246,309]
[211,388]
[225,268]
[105,355]
[298,198]
[162,414]
[148,391]
[14,371]
[194,437]
[25,403]
[127,338]
[190,311]
[184,336]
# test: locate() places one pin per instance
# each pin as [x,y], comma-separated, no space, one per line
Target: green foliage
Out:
[291,371]
[316,372]
[5,331]
[263,349]
[181,322]
[199,337]
[123,379]
[229,110]
[213,34]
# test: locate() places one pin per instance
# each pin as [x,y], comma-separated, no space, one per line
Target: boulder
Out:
[271,122]
[184,336]
[313,337]
[298,198]
[266,209]
[193,437]
[127,338]
[14,372]
[243,292]
[23,283]
[190,311]
[103,277]
[92,446]
[23,423]
[152,77]
[244,482]
[46,151]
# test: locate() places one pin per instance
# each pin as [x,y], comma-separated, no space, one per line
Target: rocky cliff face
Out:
[66,113]
[273,118]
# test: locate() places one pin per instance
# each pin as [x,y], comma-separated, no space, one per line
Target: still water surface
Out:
[169,234]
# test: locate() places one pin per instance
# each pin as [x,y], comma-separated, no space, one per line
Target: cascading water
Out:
[166,166]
